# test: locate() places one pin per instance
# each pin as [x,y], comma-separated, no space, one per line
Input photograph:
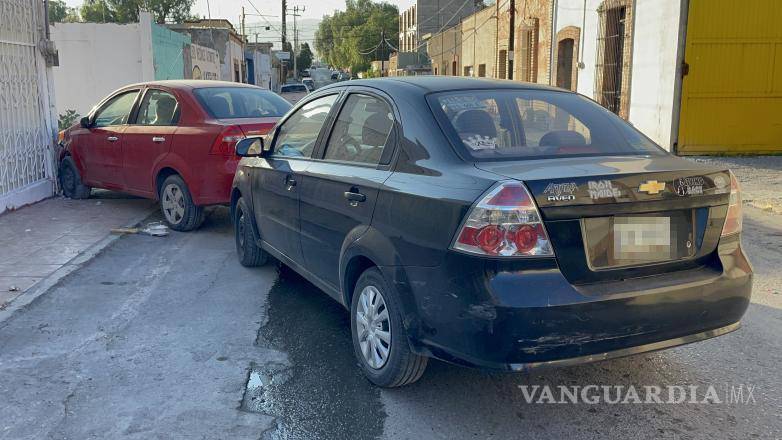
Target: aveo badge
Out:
[560,192]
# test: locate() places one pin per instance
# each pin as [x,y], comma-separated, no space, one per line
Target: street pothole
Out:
[321,393]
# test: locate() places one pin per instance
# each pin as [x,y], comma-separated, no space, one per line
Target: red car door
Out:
[148,139]
[102,155]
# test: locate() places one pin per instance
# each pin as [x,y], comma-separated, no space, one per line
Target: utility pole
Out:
[295,14]
[284,26]
[243,17]
[382,50]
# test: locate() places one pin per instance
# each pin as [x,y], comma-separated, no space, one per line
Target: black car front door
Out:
[338,193]
[276,178]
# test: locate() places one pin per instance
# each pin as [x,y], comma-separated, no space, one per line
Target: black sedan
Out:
[491,224]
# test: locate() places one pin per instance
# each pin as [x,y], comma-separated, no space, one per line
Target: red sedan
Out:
[167,140]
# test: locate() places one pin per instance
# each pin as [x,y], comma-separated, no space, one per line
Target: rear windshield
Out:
[241,102]
[522,124]
[294,88]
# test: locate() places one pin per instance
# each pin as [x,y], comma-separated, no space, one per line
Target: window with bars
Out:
[529,50]
[614,50]
[481,70]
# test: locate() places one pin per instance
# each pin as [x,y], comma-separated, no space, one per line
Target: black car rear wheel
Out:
[181,213]
[70,180]
[379,341]
[250,255]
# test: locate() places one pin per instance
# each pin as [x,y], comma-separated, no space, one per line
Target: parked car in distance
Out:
[310,83]
[294,92]
[173,141]
[491,224]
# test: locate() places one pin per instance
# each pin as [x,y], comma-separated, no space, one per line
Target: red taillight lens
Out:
[733,218]
[505,223]
[225,144]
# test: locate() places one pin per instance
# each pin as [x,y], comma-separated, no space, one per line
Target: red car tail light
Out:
[504,223]
[225,144]
[733,218]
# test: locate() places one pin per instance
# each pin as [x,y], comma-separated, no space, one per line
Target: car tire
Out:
[401,366]
[177,205]
[70,180]
[250,254]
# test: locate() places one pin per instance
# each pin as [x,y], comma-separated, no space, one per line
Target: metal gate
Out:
[732,91]
[26,120]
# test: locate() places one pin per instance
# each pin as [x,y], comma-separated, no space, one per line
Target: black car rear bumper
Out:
[521,315]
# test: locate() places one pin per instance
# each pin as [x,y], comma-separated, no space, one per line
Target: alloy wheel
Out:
[374,327]
[173,203]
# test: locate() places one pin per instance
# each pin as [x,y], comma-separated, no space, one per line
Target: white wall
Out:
[98,58]
[235,53]
[654,67]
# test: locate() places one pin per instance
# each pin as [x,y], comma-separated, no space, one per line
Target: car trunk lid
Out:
[611,218]
[252,126]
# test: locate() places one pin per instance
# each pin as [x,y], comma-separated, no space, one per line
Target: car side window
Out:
[158,108]
[297,136]
[116,111]
[361,130]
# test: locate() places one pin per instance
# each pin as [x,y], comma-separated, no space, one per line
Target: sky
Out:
[271,9]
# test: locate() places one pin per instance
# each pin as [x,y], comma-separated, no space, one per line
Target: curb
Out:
[74,264]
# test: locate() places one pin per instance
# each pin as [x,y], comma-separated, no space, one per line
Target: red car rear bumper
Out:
[214,184]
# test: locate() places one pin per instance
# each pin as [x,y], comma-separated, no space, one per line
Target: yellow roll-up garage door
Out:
[732,94]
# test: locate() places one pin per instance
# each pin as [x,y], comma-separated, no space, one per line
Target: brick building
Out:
[429,17]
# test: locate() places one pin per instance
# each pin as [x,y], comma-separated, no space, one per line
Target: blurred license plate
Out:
[642,239]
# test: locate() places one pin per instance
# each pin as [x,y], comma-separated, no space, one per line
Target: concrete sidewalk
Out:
[44,241]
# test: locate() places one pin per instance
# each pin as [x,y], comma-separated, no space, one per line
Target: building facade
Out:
[428,17]
[220,35]
[651,62]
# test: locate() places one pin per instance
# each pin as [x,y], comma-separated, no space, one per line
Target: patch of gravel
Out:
[760,178]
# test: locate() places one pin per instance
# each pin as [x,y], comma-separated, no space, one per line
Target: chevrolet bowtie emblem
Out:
[651,187]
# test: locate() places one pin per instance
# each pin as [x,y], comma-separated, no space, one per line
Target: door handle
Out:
[355,197]
[290,182]
[158,139]
[112,138]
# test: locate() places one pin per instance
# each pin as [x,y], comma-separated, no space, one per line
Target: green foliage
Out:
[126,11]
[67,119]
[96,11]
[342,37]
[304,59]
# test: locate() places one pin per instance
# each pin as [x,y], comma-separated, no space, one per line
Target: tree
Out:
[58,10]
[97,11]
[126,11]
[352,38]
[304,59]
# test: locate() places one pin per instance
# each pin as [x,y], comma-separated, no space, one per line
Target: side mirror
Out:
[252,147]
[85,122]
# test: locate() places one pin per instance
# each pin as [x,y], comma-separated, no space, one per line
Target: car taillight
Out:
[504,223]
[733,219]
[225,144]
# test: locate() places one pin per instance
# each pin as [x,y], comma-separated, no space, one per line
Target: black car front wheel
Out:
[70,180]
[181,213]
[250,255]
[379,341]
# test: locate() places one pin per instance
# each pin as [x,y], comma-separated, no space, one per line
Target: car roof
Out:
[191,84]
[432,84]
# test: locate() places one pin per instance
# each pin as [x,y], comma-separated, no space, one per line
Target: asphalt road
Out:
[172,338]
